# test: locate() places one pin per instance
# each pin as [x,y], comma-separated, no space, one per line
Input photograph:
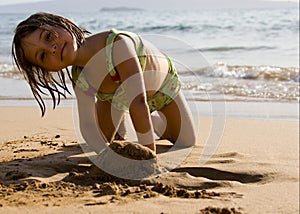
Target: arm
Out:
[131,75]
[88,123]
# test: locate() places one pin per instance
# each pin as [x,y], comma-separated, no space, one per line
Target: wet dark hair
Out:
[37,77]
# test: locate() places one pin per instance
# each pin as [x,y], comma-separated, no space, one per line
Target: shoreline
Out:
[288,111]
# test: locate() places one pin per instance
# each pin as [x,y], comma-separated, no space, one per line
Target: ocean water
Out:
[243,55]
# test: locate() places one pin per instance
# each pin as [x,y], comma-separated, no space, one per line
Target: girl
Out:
[112,72]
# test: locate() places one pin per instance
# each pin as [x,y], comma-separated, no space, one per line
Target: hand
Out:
[120,160]
[151,146]
[133,150]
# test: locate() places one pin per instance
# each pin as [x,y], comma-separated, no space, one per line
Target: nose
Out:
[52,48]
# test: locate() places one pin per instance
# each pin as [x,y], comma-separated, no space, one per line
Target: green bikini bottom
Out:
[166,93]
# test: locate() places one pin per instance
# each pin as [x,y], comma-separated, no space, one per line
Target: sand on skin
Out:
[43,169]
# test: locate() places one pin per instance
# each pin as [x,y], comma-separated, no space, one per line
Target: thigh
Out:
[108,118]
[180,127]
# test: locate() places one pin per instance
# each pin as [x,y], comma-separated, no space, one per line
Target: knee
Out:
[191,140]
[187,140]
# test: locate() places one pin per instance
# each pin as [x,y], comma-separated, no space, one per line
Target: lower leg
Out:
[180,128]
[159,123]
[120,134]
[109,119]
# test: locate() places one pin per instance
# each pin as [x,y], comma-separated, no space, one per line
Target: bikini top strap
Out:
[139,47]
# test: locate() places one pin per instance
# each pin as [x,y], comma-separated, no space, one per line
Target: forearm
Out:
[88,125]
[141,119]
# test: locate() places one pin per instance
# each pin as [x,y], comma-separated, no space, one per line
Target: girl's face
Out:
[51,48]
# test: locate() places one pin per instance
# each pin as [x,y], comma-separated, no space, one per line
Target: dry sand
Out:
[43,170]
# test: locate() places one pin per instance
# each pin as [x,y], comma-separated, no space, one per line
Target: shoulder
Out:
[123,45]
[124,40]
[98,38]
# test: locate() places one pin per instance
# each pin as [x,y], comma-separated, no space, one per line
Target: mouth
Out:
[62,51]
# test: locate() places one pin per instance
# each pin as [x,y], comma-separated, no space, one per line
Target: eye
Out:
[48,35]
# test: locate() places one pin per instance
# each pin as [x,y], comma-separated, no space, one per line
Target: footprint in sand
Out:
[216,174]
[225,158]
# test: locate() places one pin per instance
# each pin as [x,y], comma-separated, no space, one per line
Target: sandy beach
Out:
[238,62]
[43,170]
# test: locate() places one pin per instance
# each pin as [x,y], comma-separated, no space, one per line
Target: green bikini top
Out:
[81,82]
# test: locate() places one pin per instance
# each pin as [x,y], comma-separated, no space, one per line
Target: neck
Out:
[88,49]
[83,55]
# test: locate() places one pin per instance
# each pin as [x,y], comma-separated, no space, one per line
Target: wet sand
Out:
[43,170]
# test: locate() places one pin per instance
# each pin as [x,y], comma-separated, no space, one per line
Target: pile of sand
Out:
[129,161]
